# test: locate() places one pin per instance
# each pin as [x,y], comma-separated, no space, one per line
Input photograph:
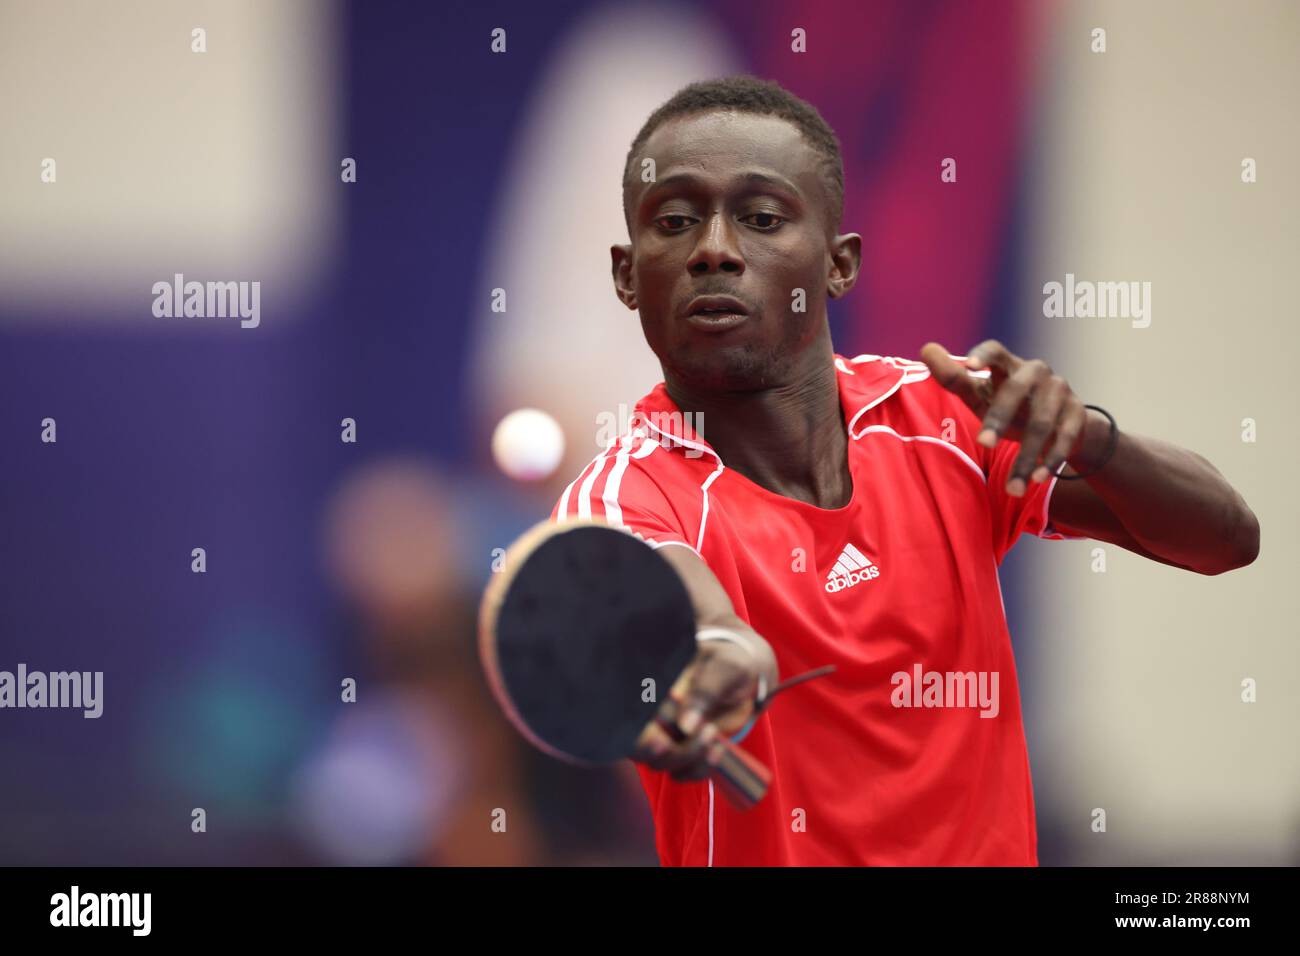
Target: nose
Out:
[716,250]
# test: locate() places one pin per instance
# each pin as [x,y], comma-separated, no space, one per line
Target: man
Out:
[825,510]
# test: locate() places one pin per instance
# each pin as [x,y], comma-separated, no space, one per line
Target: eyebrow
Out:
[753,178]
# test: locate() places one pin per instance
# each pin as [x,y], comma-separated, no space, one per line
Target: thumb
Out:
[941,365]
[951,374]
[685,706]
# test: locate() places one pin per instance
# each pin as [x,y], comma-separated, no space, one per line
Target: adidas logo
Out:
[852,567]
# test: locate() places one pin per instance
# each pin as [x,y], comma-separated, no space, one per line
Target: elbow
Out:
[1248,538]
[1244,543]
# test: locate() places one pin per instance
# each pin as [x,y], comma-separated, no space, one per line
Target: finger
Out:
[992,354]
[1008,399]
[720,680]
[1067,434]
[1045,403]
[952,375]
[714,754]
[674,711]
[692,760]
[658,750]
[654,747]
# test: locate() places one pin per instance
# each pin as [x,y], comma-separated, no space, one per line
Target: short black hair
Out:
[745,93]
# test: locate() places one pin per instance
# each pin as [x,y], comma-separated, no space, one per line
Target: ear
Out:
[846,264]
[621,263]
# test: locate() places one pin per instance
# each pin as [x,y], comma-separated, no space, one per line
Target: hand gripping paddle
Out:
[571,630]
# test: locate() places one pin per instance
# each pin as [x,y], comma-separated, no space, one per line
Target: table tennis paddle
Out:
[580,617]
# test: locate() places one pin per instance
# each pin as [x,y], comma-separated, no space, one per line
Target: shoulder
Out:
[639,473]
[893,384]
[898,396]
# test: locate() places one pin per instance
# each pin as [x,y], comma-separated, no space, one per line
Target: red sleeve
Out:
[1010,517]
[1014,516]
[618,487]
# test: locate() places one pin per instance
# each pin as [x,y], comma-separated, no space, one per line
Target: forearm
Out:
[1172,501]
[713,608]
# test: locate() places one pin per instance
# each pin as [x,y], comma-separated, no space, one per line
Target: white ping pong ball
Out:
[528,444]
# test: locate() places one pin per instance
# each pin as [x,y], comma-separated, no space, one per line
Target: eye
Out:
[773,220]
[672,227]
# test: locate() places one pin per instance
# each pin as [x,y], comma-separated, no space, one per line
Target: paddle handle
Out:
[741,776]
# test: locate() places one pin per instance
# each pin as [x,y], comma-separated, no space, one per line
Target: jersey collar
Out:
[864,382]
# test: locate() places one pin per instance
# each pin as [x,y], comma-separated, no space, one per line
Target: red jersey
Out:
[912,752]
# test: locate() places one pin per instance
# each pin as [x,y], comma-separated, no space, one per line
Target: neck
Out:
[790,438]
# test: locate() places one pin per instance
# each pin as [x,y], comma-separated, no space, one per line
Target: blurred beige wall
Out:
[1139,669]
[222,165]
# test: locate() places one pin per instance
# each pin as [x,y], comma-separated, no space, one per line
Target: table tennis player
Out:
[824,509]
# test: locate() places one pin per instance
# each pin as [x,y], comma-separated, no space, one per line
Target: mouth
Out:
[716,313]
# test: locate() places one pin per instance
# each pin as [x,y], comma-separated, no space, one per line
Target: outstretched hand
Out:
[1017,400]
